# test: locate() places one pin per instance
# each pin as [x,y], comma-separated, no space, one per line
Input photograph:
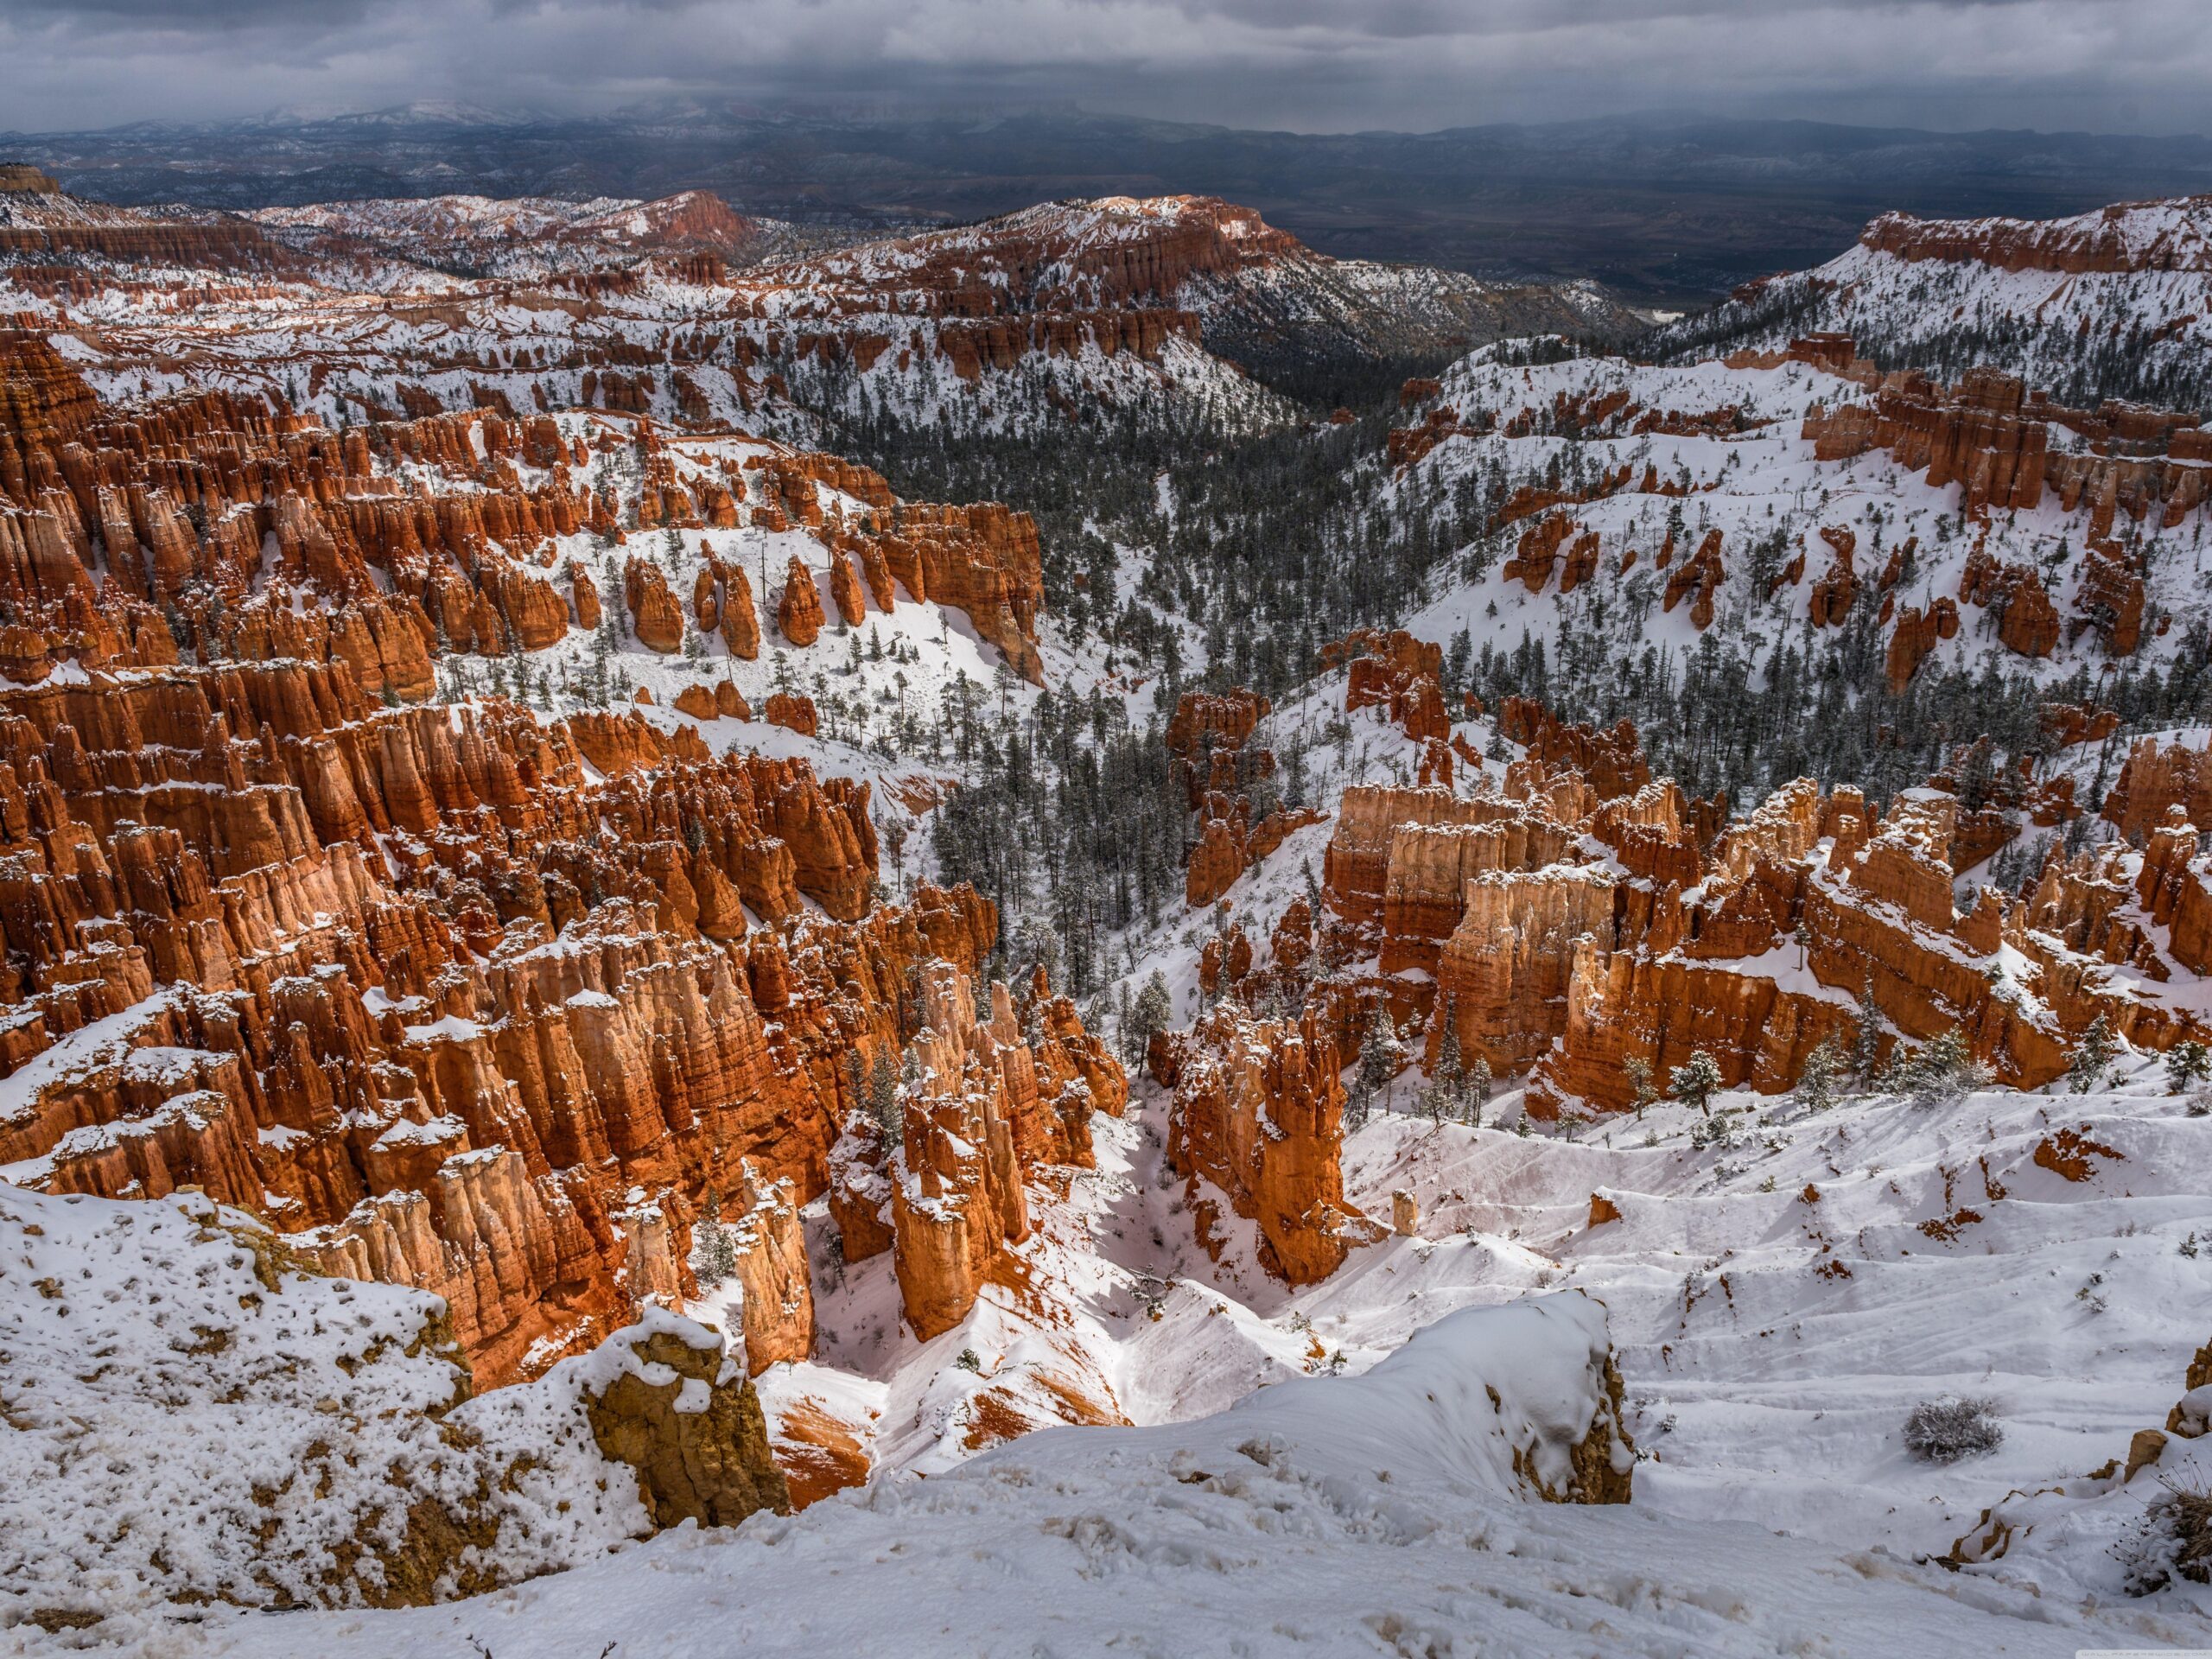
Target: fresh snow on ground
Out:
[1374,1513]
[180,1409]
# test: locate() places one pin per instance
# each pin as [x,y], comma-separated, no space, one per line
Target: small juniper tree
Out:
[1379,1051]
[1642,1089]
[2092,1058]
[1360,1100]
[1477,1096]
[1866,1040]
[1820,1084]
[1152,1010]
[714,1251]
[1695,1083]
[1946,1431]
[1943,1070]
[883,1098]
[1448,1079]
[2187,1065]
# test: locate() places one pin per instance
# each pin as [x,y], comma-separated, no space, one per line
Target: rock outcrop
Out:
[1586,922]
[1258,1119]
[664,1399]
[319,1442]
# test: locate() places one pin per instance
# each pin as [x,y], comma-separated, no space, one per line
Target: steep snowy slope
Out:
[2108,304]
[1807,536]
[1773,1503]
[1070,311]
[192,1417]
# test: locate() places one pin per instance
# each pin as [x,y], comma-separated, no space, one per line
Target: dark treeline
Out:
[1724,717]
[1076,823]
[1269,543]
[1264,546]
[1189,553]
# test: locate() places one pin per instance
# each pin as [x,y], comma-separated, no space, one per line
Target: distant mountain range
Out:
[1659,208]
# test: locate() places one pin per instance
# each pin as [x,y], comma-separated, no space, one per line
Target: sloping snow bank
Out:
[186,1418]
[1376,1514]
[1515,1401]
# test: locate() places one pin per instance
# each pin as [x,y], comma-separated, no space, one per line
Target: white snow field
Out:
[180,1409]
[1370,1514]
[1770,1349]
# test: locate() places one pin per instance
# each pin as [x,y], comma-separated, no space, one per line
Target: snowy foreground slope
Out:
[1774,1509]
[1379,1514]
[188,1416]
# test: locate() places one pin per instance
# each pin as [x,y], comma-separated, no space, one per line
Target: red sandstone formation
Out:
[2156,778]
[1993,437]
[1208,735]
[653,615]
[43,222]
[740,619]
[984,560]
[799,613]
[1258,1116]
[1834,593]
[1396,672]
[2028,621]
[778,1311]
[1493,911]
[792,710]
[457,997]
[1914,636]
[2104,240]
[1001,1085]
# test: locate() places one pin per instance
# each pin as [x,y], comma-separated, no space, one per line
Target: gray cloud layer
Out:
[1310,65]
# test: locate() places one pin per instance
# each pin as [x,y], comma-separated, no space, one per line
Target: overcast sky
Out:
[2112,65]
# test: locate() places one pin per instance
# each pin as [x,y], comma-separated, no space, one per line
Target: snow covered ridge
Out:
[2115,303]
[2127,236]
[1609,482]
[359,309]
[190,1419]
[1389,1512]
[528,236]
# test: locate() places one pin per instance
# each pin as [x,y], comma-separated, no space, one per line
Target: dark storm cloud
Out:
[2112,65]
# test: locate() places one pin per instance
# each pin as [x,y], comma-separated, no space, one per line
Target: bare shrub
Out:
[1945,1431]
[2173,1539]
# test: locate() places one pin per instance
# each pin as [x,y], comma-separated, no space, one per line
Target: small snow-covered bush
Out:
[1945,1431]
[2173,1539]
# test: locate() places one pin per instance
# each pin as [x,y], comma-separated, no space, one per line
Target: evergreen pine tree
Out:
[883,1098]
[1379,1051]
[1820,1084]
[714,1251]
[1696,1083]
[1153,1011]
[1642,1089]
[2187,1065]
[1866,1041]
[1478,1091]
[1942,1072]
[2092,1058]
